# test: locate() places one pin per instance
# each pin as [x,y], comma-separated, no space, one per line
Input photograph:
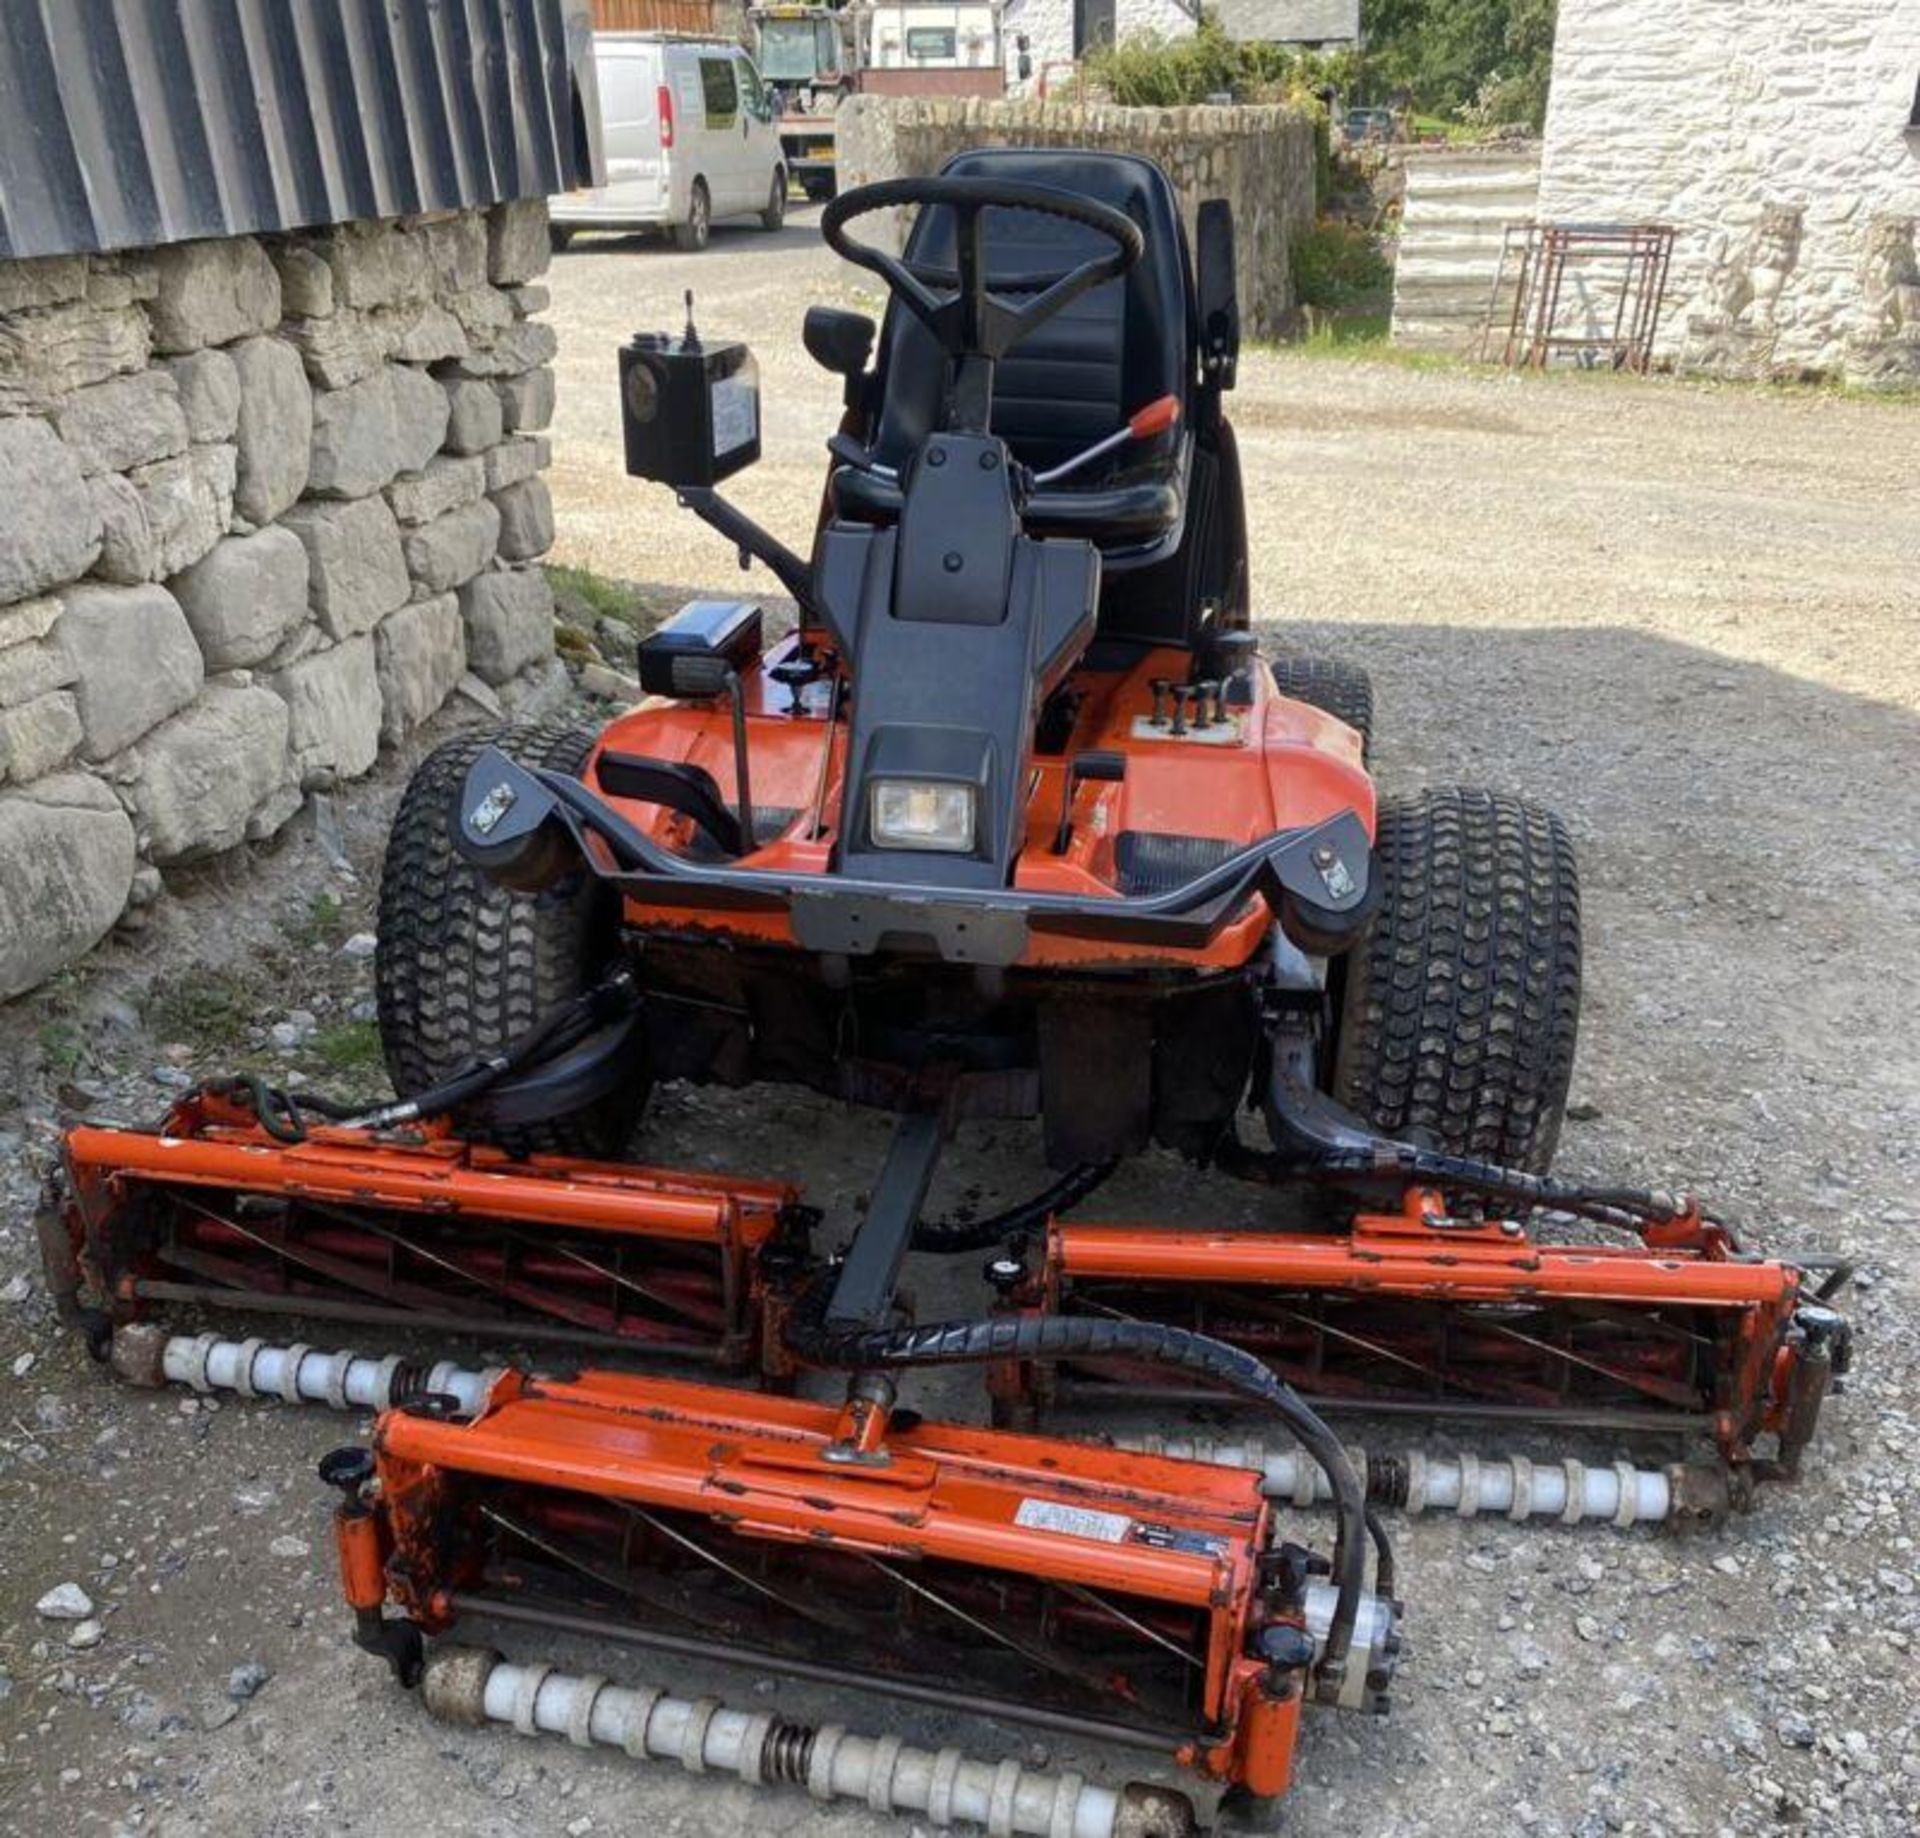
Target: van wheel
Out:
[698,227]
[776,212]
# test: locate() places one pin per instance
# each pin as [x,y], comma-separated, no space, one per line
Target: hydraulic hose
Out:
[281,1113]
[950,1237]
[1079,1337]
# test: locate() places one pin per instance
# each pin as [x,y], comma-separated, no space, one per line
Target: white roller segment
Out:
[302,1374]
[882,1773]
[1465,1485]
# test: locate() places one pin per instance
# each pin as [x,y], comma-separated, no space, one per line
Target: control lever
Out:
[1156,418]
[1107,768]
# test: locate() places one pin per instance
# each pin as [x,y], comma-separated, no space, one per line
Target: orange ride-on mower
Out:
[1017,824]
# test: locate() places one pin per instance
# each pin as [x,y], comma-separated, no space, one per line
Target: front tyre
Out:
[776,212]
[464,967]
[692,235]
[1462,1002]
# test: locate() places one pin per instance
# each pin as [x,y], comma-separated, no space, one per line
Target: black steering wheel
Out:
[959,308]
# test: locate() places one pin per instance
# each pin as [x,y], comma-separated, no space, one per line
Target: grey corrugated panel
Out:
[125,123]
[1289,22]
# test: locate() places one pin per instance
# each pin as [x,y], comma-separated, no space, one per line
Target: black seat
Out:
[1124,344]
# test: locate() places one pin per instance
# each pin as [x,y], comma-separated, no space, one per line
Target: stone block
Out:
[128,553]
[444,484]
[212,293]
[44,357]
[511,462]
[123,423]
[376,264]
[424,334]
[275,431]
[451,550]
[209,387]
[483,314]
[475,420]
[48,280]
[519,248]
[530,300]
[420,413]
[196,781]
[51,530]
[306,280]
[509,618]
[525,345]
[31,670]
[334,709]
[456,252]
[68,847]
[343,350]
[526,520]
[358,573]
[420,655]
[38,737]
[356,447]
[27,620]
[134,660]
[527,401]
[189,503]
[245,597]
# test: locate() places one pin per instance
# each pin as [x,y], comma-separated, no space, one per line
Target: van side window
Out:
[750,90]
[722,93]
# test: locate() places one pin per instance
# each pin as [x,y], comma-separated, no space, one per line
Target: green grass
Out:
[208,1010]
[325,920]
[63,1047]
[607,599]
[348,1047]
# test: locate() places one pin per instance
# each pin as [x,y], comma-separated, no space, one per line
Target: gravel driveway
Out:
[1689,617]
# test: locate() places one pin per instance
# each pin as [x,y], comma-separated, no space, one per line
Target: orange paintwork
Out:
[1688,1262]
[429,1170]
[1293,766]
[945,1492]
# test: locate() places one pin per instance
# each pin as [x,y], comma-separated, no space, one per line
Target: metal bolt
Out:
[989,460]
[1323,856]
[936,456]
[951,561]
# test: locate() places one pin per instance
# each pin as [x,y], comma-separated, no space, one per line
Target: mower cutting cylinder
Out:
[1464,1485]
[946,1786]
[296,1374]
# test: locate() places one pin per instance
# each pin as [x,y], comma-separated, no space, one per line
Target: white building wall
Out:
[1774,134]
[1048,25]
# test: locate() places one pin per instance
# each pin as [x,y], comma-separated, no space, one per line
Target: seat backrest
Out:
[1117,348]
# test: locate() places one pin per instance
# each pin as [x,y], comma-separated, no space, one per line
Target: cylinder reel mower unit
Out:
[1124,1598]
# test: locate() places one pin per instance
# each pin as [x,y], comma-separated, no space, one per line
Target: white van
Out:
[690,136]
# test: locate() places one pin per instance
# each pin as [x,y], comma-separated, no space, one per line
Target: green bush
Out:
[1146,70]
[1337,266]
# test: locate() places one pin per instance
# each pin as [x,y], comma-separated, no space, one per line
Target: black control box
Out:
[687,654]
[691,409]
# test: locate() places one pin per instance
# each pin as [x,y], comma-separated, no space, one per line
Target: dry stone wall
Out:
[265,504]
[1259,159]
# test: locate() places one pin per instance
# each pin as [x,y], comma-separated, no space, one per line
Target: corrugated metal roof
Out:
[126,123]
[1289,22]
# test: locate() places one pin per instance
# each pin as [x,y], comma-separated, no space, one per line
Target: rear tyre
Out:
[692,235]
[776,212]
[1462,1003]
[1344,691]
[464,967]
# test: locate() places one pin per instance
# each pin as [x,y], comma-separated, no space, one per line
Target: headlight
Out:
[912,814]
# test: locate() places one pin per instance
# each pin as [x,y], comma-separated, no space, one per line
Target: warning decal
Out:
[1075,1521]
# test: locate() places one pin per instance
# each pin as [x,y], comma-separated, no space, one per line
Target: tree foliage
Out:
[1487,60]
